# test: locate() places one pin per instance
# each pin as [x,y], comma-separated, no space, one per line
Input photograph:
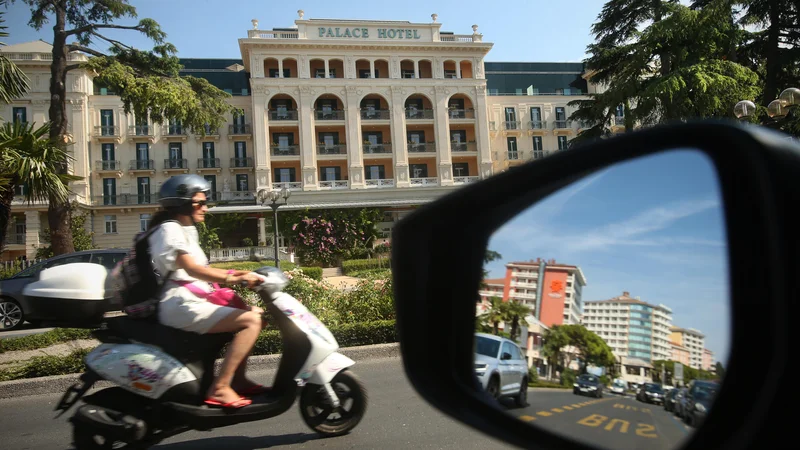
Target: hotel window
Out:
[240,153]
[320,73]
[274,73]
[375,172]
[562,143]
[284,175]
[142,155]
[511,142]
[107,122]
[450,74]
[212,180]
[109,191]
[364,73]
[418,170]
[281,108]
[493,91]
[241,183]
[19,114]
[144,221]
[110,224]
[461,169]
[143,190]
[537,143]
[330,173]
[406,73]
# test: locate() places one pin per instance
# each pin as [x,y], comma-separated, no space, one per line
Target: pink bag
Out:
[219,296]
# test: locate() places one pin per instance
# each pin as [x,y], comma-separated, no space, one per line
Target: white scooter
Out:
[162,375]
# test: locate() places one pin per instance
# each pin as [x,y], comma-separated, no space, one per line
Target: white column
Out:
[482,133]
[399,141]
[458,69]
[308,155]
[327,69]
[371,69]
[33,225]
[280,68]
[416,69]
[261,142]
[262,230]
[355,155]
[442,130]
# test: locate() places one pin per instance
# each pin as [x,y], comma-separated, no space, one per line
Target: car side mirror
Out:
[505,356]
[755,170]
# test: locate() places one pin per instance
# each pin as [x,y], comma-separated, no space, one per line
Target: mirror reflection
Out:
[604,310]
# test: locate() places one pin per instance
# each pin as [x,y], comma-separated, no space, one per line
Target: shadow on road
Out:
[241,442]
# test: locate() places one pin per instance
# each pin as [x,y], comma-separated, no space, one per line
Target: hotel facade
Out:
[343,113]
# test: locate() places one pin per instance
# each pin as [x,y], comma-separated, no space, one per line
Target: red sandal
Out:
[236,404]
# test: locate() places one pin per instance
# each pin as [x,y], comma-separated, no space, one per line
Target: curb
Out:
[60,383]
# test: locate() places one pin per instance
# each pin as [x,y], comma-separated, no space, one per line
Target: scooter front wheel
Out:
[319,413]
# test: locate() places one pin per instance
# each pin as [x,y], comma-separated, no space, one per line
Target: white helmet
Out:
[274,280]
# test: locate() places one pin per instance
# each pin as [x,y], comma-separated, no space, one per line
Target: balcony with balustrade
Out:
[209,165]
[174,132]
[176,165]
[107,133]
[206,133]
[536,127]
[142,133]
[104,168]
[241,164]
[140,166]
[240,131]
[562,127]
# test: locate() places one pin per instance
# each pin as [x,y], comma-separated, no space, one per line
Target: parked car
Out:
[651,393]
[588,384]
[672,398]
[699,398]
[501,368]
[15,309]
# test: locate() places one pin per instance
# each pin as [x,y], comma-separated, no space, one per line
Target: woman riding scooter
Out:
[175,249]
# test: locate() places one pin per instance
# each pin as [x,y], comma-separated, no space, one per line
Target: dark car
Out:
[699,398]
[672,399]
[588,384]
[651,393]
[15,309]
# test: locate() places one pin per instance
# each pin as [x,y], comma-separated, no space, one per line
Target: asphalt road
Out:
[25,330]
[618,422]
[396,418]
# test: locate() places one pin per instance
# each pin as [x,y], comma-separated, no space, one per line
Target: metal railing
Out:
[419,114]
[142,164]
[465,180]
[377,148]
[461,113]
[463,147]
[561,124]
[287,114]
[174,130]
[285,150]
[537,124]
[239,129]
[176,163]
[106,131]
[18,239]
[106,165]
[512,125]
[331,149]
[208,130]
[429,147]
[140,130]
[208,163]
[375,114]
[334,114]
[126,199]
[242,162]
[247,254]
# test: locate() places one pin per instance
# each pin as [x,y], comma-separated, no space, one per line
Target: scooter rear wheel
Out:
[318,412]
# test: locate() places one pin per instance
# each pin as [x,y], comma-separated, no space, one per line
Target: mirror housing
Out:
[757,170]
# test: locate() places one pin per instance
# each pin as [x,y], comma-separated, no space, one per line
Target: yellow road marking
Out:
[576,406]
[527,418]
[557,410]
[544,413]
[568,408]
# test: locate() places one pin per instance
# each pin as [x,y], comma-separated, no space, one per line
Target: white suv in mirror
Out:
[501,368]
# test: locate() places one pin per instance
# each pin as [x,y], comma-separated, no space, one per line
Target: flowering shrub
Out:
[326,236]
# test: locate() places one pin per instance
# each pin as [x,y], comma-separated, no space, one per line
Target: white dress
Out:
[179,307]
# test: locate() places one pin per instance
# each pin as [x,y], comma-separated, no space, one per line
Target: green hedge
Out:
[370,272]
[547,384]
[36,341]
[353,265]
[269,342]
[311,272]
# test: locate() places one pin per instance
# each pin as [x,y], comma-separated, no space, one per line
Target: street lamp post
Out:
[777,109]
[273,197]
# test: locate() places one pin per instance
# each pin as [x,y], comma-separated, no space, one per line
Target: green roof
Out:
[222,73]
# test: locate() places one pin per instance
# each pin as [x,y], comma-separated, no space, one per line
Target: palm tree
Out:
[13,81]
[496,314]
[28,158]
[516,311]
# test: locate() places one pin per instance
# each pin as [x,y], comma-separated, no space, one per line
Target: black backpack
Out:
[137,284]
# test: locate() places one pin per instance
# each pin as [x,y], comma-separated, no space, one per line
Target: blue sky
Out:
[522,30]
[652,226]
